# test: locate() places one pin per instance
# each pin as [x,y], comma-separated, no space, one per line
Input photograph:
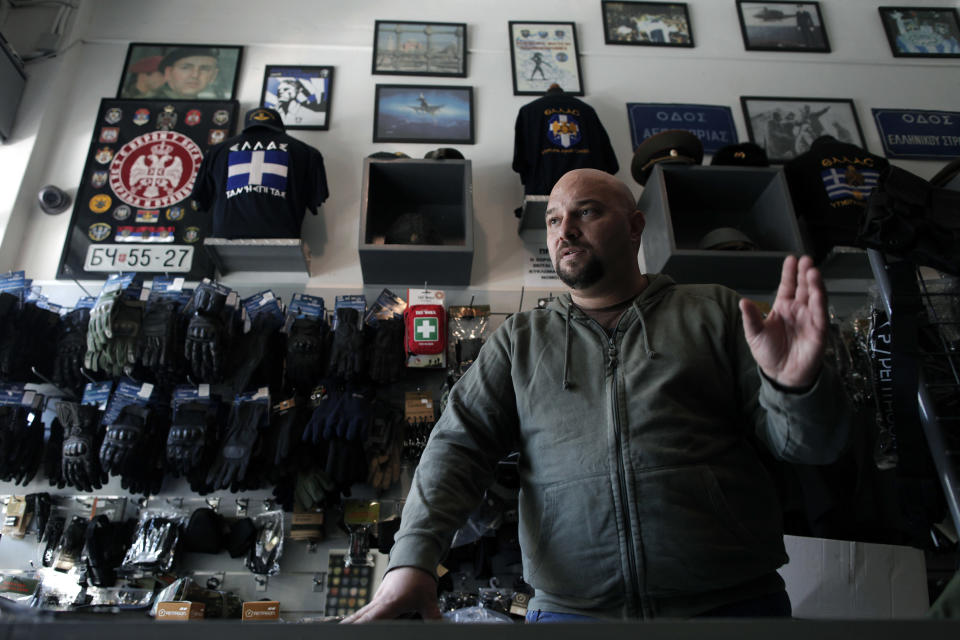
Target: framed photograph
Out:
[423,113]
[774,25]
[785,127]
[922,32]
[420,48]
[180,71]
[301,95]
[543,54]
[656,24]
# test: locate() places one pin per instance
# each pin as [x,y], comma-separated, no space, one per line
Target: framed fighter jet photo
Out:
[301,95]
[420,48]
[543,54]
[775,25]
[423,113]
[180,71]
[922,32]
[786,127]
[652,24]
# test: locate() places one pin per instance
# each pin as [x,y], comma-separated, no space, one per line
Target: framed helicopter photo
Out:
[775,25]
[423,113]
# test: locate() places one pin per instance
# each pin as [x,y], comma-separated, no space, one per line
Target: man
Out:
[187,72]
[637,405]
[144,78]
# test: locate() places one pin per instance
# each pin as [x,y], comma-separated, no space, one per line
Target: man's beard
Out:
[586,276]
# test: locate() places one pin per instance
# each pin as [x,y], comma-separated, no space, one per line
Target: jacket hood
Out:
[657,285]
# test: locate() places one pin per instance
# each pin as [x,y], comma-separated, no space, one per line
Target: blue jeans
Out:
[774,605]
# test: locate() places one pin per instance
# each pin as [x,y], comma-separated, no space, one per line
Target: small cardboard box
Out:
[260,610]
[836,579]
[180,611]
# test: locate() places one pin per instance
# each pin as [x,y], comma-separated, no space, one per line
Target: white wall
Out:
[717,71]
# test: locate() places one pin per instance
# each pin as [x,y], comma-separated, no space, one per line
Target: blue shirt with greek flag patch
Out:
[266,168]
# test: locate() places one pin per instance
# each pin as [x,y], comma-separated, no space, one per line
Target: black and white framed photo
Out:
[420,48]
[180,71]
[922,32]
[543,54]
[656,24]
[423,113]
[774,25]
[301,95]
[786,127]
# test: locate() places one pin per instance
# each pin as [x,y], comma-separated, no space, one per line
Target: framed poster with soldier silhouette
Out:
[786,127]
[543,54]
[134,210]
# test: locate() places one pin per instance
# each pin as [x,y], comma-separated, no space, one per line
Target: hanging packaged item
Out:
[469,328]
[426,331]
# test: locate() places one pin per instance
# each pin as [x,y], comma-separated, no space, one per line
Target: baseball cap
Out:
[146,65]
[444,153]
[263,117]
[676,146]
[746,154]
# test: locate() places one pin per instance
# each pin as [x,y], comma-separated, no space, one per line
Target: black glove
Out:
[124,440]
[105,544]
[81,444]
[387,354]
[71,346]
[144,475]
[258,357]
[29,340]
[53,454]
[206,335]
[21,444]
[192,424]
[31,452]
[306,353]
[346,358]
[233,457]
[158,341]
[287,425]
[322,423]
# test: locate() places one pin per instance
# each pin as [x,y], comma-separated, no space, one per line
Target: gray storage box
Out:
[439,190]
[682,204]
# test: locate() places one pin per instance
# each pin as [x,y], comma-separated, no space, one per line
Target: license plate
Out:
[126,257]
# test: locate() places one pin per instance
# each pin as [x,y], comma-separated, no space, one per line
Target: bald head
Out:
[617,193]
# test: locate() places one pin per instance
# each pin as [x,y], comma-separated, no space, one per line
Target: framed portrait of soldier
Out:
[652,24]
[301,95]
[543,54]
[775,25]
[922,32]
[786,127]
[157,71]
[420,48]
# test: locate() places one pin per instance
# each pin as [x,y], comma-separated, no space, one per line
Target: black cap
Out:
[676,146]
[185,52]
[746,154]
[444,153]
[263,117]
[388,155]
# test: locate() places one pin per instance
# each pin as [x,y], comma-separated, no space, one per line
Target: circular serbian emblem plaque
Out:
[155,170]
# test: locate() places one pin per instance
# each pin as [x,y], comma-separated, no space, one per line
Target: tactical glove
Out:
[387,353]
[192,423]
[206,335]
[233,457]
[100,329]
[158,343]
[354,415]
[124,440]
[315,489]
[258,357]
[306,353]
[346,358]
[71,345]
[53,454]
[325,414]
[81,463]
[287,424]
[144,476]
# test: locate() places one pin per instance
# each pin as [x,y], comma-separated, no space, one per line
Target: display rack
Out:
[918,312]
[259,255]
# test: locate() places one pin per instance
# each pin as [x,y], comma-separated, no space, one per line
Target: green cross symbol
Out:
[425,330]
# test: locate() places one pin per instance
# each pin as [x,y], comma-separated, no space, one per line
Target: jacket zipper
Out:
[621,467]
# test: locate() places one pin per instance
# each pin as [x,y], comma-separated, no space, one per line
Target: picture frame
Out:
[646,24]
[300,94]
[406,48]
[423,113]
[786,127]
[549,48]
[778,25]
[176,71]
[922,32]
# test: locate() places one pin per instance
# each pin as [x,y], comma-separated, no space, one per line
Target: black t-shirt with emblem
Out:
[259,184]
[557,133]
[829,186]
